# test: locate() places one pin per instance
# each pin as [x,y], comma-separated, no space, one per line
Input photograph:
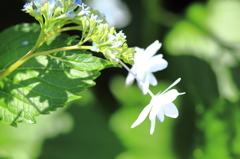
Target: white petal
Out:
[156,63]
[170,110]
[139,51]
[152,49]
[142,116]
[169,96]
[155,109]
[160,115]
[173,84]
[139,55]
[153,123]
[144,84]
[152,79]
[129,80]
[145,89]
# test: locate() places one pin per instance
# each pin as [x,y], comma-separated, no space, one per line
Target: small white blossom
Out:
[144,66]
[85,10]
[160,105]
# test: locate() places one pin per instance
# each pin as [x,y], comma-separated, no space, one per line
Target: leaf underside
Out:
[43,83]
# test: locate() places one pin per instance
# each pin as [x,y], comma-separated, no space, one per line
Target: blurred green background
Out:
[201,42]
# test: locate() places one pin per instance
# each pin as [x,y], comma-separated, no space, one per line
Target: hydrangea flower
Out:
[144,66]
[160,105]
[56,9]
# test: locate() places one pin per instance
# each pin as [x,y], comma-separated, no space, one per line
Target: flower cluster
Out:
[55,15]
[145,64]
[56,9]
[160,105]
[142,70]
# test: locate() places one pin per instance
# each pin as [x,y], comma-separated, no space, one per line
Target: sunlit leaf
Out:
[43,83]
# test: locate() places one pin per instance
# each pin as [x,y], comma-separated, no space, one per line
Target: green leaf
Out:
[11,48]
[81,61]
[43,83]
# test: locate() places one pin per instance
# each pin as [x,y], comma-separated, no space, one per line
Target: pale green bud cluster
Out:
[54,15]
[111,44]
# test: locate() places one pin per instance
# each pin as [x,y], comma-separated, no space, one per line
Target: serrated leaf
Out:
[43,83]
[81,61]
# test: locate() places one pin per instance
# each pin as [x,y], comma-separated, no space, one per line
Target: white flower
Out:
[160,105]
[144,66]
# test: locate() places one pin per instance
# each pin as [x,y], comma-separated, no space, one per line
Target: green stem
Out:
[44,39]
[14,66]
[69,28]
[24,58]
[74,47]
[29,55]
[39,40]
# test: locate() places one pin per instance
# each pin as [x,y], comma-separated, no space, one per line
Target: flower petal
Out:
[169,96]
[152,49]
[156,63]
[152,79]
[170,110]
[160,115]
[142,116]
[155,109]
[153,123]
[173,84]
[144,84]
[139,56]
[129,80]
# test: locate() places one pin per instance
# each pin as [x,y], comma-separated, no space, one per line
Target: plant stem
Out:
[74,47]
[14,66]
